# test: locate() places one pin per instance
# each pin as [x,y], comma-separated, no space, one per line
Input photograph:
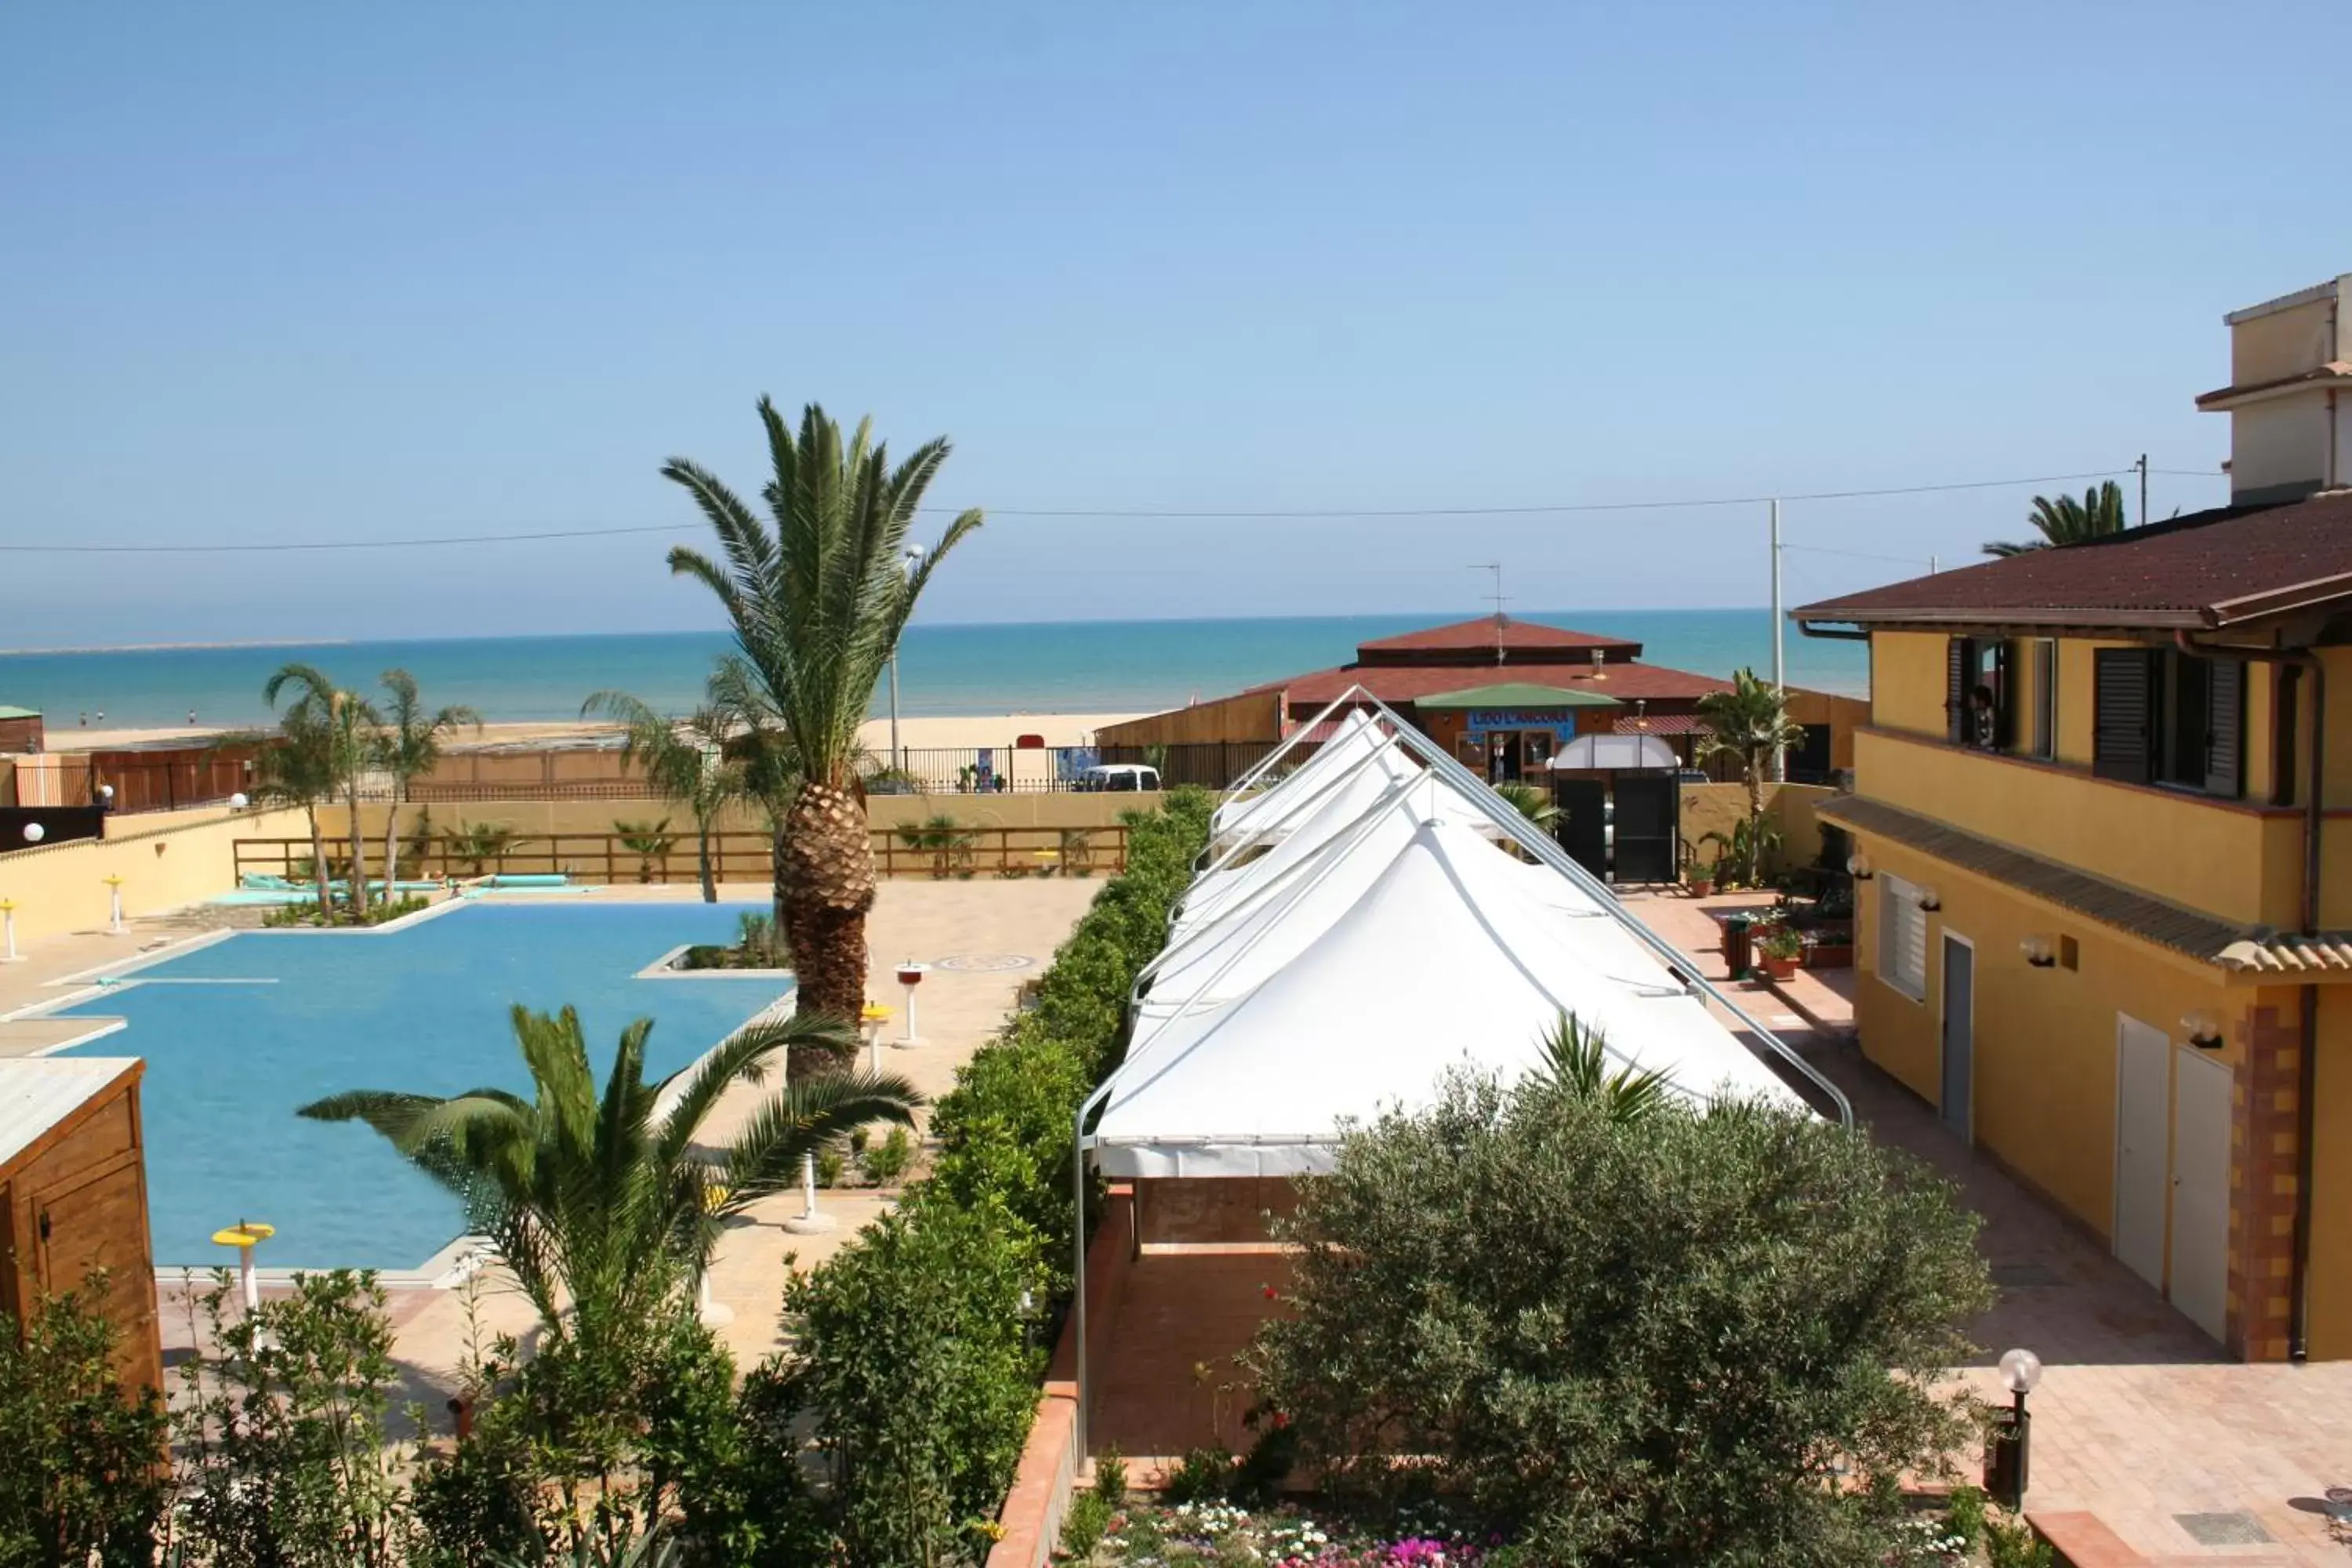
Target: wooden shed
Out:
[73,1194]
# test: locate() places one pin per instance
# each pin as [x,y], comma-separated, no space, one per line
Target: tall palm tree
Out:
[408,749]
[2069,522]
[1749,721]
[297,768]
[350,724]
[685,759]
[819,592]
[606,1205]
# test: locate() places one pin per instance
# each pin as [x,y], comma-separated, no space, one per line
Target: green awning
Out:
[8,712]
[1516,694]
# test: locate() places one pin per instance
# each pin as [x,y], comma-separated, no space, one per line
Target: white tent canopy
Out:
[1356,737]
[1446,957]
[1615,752]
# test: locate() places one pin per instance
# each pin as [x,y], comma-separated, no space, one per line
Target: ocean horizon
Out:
[1050,666]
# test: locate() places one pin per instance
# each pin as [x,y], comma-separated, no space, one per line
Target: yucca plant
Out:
[606,1205]
[817,593]
[1531,801]
[649,841]
[1577,1059]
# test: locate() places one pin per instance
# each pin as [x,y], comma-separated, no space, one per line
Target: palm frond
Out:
[765,1157]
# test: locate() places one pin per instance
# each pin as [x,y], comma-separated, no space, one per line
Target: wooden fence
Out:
[612,858]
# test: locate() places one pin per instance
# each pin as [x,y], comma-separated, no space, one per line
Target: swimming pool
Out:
[239,1033]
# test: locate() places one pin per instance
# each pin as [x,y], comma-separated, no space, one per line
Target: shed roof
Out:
[38,1092]
[1517,694]
[1486,631]
[8,712]
[2210,569]
[1410,683]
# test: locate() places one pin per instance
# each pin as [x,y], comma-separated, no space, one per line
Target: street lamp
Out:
[914,558]
[2012,1430]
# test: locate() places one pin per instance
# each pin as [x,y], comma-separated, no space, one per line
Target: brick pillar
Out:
[2262,1183]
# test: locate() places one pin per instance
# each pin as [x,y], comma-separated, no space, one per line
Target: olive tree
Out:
[1693,1336]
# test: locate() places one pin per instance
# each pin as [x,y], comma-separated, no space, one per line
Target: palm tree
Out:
[946,842]
[1752,722]
[606,1205]
[409,748]
[684,760]
[350,724]
[818,594]
[1531,801]
[478,843]
[298,769]
[1575,1061]
[649,841]
[2069,522]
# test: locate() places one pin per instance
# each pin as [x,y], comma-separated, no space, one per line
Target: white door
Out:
[2200,1192]
[2142,1097]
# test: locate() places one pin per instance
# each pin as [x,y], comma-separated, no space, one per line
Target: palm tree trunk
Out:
[702,849]
[828,876]
[392,846]
[359,851]
[319,862]
[779,906]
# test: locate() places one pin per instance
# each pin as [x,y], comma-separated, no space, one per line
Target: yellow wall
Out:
[2045,1039]
[1906,682]
[1248,716]
[2235,862]
[1717,807]
[2331,1184]
[60,888]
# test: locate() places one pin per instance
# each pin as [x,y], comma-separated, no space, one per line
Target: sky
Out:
[280,273]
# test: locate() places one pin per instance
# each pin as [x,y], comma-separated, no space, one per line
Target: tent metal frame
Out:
[1519,830]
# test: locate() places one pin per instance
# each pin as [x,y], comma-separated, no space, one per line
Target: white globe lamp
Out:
[34,833]
[238,802]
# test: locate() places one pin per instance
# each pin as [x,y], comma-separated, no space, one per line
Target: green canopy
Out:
[1516,694]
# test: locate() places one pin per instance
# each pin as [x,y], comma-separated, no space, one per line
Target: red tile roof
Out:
[1661,724]
[1403,682]
[2210,569]
[1483,631]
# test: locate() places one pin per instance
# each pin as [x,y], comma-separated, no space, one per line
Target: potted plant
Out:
[1780,949]
[1701,879]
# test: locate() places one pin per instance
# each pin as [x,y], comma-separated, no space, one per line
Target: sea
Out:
[1057,667]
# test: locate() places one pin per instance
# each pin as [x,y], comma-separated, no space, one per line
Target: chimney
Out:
[2290,395]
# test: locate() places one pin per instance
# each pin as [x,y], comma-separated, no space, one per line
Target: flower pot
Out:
[1700,887]
[1777,968]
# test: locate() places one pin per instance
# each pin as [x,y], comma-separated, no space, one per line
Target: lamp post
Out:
[114,904]
[808,1222]
[8,931]
[713,1312]
[874,1016]
[913,559]
[2005,1454]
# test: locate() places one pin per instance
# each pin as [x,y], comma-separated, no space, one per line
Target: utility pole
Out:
[2142,466]
[1780,653]
[1933,566]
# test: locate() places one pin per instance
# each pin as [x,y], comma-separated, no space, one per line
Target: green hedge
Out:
[915,1356]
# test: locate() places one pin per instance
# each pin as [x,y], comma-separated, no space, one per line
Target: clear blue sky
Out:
[307,271]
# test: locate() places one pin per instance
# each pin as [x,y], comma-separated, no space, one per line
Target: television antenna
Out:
[1500,599]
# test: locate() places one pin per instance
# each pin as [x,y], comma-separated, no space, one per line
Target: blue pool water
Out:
[423,1009]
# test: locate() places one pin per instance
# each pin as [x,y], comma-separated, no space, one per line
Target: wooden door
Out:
[98,1219]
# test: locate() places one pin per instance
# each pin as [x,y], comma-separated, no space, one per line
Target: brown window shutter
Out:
[2122,720]
[1955,689]
[2225,732]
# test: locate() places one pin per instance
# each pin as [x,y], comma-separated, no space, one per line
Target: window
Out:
[2045,697]
[1977,695]
[2170,718]
[1902,937]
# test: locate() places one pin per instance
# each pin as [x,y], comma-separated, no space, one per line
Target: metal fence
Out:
[1033,770]
[737,857]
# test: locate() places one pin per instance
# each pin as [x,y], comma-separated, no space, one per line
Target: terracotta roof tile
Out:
[1480,631]
[2209,569]
[1403,682]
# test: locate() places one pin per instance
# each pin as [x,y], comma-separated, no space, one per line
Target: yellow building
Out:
[2102,810]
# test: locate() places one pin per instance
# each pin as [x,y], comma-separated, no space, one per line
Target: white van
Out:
[1124,776]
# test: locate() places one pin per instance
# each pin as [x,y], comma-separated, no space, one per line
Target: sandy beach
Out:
[996,730]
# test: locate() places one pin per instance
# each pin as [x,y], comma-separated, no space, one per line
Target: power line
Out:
[686,525]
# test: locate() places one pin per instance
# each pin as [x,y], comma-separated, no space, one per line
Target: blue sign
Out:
[1478,721]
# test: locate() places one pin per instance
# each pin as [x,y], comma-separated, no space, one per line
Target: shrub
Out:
[1084,1525]
[912,1352]
[886,1162]
[281,1430]
[1647,1343]
[80,1482]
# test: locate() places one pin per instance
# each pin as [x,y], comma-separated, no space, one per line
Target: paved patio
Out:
[2142,1427]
